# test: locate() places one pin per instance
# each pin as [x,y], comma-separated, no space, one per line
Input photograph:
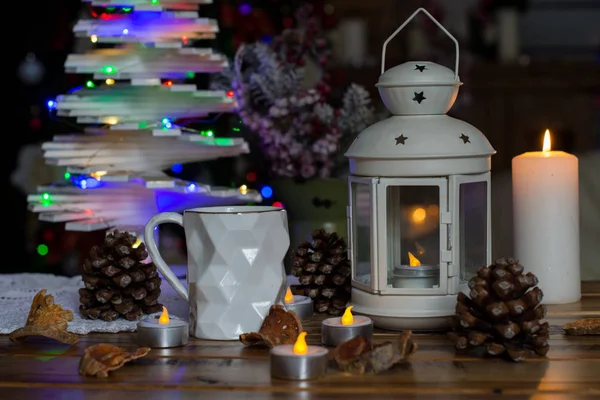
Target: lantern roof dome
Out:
[418,73]
[419,145]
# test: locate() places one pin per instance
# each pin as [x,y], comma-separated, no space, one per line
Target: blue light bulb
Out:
[266,192]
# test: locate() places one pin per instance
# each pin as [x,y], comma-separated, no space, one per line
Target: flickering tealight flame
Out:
[164,317]
[547,142]
[300,346]
[413,261]
[348,318]
[137,243]
[289,297]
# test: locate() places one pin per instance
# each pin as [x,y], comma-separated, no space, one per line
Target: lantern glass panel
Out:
[473,227]
[413,236]
[362,205]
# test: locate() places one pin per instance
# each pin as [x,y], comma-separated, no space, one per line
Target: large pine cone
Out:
[117,281]
[502,314]
[323,269]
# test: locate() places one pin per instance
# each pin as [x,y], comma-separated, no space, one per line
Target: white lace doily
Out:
[17,292]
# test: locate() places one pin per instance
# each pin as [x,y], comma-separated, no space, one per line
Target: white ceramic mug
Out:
[235,266]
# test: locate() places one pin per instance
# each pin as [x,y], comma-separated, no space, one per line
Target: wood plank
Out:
[254,374]
[590,288]
[430,348]
[120,394]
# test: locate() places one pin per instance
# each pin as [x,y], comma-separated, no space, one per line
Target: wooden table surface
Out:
[40,368]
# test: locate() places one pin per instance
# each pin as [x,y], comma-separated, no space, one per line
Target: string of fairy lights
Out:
[120,196]
[139,102]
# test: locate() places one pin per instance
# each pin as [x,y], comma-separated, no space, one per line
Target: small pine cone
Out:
[117,281]
[323,271]
[502,315]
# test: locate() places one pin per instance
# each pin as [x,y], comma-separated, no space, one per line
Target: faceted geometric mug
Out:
[235,266]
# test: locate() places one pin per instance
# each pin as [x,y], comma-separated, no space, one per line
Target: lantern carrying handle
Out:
[435,21]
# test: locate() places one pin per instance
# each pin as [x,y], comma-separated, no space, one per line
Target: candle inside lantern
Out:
[337,330]
[546,220]
[301,305]
[415,275]
[413,261]
[298,361]
[163,331]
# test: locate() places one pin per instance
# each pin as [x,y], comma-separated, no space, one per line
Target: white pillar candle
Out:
[546,220]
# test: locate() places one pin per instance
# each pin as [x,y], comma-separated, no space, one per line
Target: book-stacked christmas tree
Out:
[136,103]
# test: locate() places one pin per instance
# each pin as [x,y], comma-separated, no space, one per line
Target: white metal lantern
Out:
[419,200]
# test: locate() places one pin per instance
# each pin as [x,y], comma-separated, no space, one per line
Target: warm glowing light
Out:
[547,142]
[413,261]
[418,215]
[289,297]
[300,346]
[348,318]
[98,174]
[243,189]
[164,317]
[93,38]
[110,81]
[137,243]
[112,120]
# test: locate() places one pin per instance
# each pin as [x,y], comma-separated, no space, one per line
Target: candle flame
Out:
[289,297]
[300,346]
[348,318]
[164,317]
[547,142]
[413,261]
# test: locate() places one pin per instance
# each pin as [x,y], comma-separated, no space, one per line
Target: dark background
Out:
[556,85]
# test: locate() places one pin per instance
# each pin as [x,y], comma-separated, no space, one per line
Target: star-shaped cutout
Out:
[419,97]
[420,68]
[464,138]
[400,140]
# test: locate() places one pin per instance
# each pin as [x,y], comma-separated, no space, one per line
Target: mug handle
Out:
[163,267]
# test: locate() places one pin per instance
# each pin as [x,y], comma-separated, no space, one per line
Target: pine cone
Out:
[502,314]
[117,282]
[323,269]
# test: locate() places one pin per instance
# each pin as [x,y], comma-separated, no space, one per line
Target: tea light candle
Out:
[301,305]
[340,329]
[546,220]
[415,275]
[163,331]
[298,361]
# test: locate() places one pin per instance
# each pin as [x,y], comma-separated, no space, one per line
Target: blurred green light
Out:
[67,175]
[42,249]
